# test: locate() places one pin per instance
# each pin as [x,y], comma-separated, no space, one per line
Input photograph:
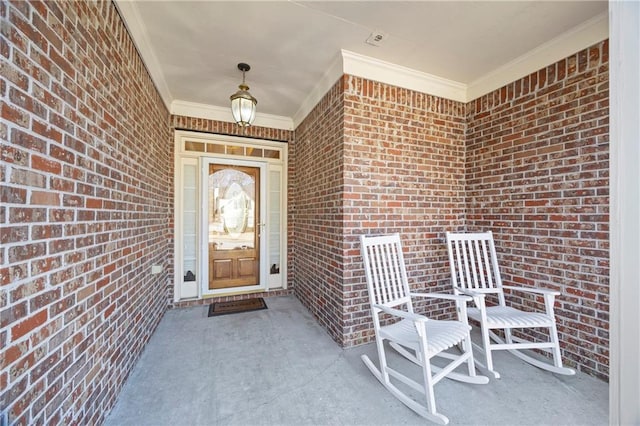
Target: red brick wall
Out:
[537,171]
[404,172]
[373,158]
[86,191]
[316,203]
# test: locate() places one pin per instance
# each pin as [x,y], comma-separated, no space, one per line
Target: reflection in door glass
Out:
[231,210]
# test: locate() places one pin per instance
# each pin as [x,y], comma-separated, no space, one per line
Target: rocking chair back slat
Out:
[386,277]
[474,264]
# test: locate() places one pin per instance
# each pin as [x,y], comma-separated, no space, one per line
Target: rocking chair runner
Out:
[475,272]
[388,292]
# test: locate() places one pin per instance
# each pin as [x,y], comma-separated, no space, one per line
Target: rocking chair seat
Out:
[442,334]
[508,317]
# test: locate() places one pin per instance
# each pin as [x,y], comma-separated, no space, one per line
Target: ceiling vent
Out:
[376,38]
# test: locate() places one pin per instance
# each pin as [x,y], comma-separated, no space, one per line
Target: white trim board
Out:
[624,378]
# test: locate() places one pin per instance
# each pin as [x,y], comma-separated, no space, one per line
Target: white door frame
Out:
[190,149]
[204,225]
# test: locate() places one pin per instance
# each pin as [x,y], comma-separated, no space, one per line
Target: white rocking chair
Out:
[388,292]
[475,273]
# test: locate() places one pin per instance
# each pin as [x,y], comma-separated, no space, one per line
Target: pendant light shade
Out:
[243,105]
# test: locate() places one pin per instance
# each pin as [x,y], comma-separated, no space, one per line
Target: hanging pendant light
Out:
[243,105]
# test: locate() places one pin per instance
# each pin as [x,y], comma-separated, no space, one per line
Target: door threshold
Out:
[233,293]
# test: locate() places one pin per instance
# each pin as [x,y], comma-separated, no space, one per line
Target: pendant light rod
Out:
[244,68]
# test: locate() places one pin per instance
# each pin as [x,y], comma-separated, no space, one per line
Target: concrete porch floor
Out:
[279,367]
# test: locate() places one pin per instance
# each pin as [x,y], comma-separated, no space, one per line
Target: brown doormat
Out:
[247,305]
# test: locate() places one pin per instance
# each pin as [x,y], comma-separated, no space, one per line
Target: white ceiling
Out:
[295,48]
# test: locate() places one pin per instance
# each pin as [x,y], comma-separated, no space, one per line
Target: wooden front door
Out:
[233,226]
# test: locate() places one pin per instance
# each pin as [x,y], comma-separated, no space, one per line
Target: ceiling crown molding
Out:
[346,62]
[132,20]
[325,83]
[385,72]
[396,75]
[213,112]
[569,43]
[584,35]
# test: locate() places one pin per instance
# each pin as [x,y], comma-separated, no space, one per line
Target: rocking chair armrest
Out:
[533,290]
[456,297]
[401,314]
[470,293]
[476,296]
